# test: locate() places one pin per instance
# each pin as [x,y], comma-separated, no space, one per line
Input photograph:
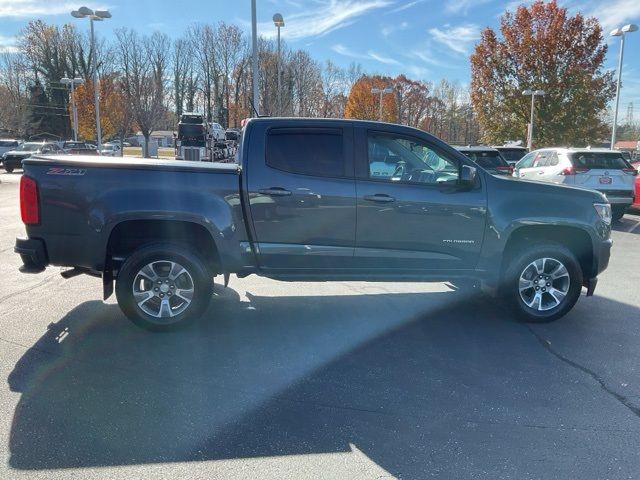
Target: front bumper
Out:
[33,253]
[602,254]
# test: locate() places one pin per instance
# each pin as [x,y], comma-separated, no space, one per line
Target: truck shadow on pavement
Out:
[421,384]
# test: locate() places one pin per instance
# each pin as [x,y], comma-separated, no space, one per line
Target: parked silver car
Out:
[596,169]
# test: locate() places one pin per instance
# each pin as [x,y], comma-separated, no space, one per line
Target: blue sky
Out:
[426,39]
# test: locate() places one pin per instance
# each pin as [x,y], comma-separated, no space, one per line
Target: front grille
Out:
[617,193]
[192,154]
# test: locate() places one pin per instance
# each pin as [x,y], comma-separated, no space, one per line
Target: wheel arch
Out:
[129,235]
[574,238]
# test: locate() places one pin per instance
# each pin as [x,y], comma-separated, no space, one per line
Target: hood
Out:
[19,153]
[544,188]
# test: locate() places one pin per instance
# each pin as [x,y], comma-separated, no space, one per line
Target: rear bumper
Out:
[33,253]
[620,200]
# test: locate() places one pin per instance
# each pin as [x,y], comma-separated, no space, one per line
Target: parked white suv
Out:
[218,133]
[596,169]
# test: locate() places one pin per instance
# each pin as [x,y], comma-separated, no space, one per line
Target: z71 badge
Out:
[67,171]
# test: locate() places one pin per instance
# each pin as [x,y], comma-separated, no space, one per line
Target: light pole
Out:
[381,91]
[619,32]
[74,117]
[278,21]
[254,58]
[534,94]
[94,16]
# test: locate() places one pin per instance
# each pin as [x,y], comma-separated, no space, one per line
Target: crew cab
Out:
[311,200]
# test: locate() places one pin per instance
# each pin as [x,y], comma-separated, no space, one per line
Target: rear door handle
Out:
[380,198]
[275,192]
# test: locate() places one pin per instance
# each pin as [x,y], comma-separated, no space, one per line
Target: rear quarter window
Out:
[599,160]
[316,152]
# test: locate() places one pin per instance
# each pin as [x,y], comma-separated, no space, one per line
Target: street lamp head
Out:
[77,14]
[103,13]
[616,32]
[65,81]
[85,11]
[96,18]
[539,92]
[376,90]
[527,92]
[630,28]
[278,21]
[387,90]
[78,81]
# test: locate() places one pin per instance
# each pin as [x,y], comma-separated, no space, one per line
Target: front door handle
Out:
[380,198]
[275,192]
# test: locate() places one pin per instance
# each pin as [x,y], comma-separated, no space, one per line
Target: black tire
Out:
[544,310]
[617,212]
[197,281]
[8,169]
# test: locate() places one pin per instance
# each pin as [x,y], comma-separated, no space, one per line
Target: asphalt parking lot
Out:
[331,380]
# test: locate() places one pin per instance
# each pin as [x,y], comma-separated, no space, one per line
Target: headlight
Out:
[604,212]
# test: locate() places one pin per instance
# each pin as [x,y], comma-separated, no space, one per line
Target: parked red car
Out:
[636,201]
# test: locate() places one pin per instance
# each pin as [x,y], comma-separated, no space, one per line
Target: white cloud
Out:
[457,38]
[346,51]
[424,55]
[382,59]
[8,44]
[463,6]
[389,29]
[370,55]
[324,17]
[31,8]
[613,13]
[405,6]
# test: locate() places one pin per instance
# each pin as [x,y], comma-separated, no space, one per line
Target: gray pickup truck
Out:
[311,200]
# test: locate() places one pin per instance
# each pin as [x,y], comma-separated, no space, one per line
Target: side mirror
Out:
[468,176]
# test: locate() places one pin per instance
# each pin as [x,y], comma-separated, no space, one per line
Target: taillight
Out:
[630,171]
[505,169]
[29,206]
[573,171]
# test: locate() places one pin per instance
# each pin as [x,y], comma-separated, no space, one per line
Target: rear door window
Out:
[598,160]
[317,152]
[487,159]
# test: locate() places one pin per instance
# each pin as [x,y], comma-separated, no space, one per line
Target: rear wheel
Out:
[162,287]
[8,169]
[617,212]
[543,282]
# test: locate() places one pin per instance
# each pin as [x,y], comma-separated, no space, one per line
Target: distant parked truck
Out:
[193,141]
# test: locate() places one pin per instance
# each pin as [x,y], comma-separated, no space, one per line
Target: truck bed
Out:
[80,161]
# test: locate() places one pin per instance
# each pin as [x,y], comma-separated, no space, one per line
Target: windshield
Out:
[488,159]
[29,147]
[512,155]
[189,131]
[599,160]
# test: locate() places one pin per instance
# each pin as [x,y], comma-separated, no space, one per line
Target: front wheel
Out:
[543,282]
[617,212]
[8,169]
[161,287]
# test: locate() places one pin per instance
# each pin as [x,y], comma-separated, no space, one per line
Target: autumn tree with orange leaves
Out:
[541,47]
[364,105]
[115,115]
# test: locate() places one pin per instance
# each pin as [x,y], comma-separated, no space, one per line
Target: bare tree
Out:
[14,94]
[143,64]
[230,46]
